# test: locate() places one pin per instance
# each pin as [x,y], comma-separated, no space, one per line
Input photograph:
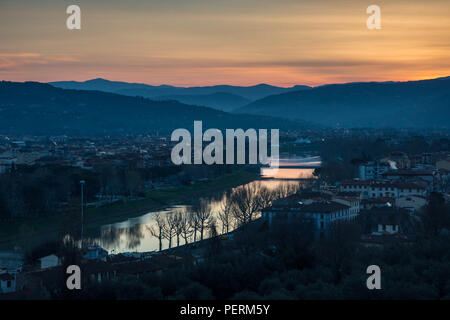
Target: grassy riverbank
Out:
[160,198]
[37,230]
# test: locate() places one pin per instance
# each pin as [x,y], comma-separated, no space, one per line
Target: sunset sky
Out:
[239,42]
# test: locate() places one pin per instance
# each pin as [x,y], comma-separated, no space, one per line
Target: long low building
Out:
[383,189]
[322,213]
[426,175]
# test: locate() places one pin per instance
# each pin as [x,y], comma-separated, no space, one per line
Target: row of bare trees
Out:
[246,202]
[239,207]
[183,224]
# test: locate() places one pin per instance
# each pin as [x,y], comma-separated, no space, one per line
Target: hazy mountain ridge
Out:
[424,103]
[37,108]
[137,89]
[219,100]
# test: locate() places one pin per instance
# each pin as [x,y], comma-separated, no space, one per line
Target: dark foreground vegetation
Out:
[286,261]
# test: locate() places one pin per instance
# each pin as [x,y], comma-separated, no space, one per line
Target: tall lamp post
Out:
[82,183]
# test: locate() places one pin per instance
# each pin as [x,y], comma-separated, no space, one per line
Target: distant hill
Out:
[423,103]
[37,108]
[220,102]
[109,86]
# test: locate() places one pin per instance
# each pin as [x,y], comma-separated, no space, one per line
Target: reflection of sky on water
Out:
[303,162]
[286,173]
[133,235]
[292,168]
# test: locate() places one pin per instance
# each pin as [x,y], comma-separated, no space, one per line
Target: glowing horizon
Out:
[246,42]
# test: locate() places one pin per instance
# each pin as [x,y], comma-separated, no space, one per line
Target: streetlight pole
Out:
[82,182]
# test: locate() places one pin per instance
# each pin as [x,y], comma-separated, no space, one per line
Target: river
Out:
[133,235]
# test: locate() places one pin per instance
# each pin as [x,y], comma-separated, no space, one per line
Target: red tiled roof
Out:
[379,200]
[316,207]
[408,173]
[383,184]
[6,277]
[347,198]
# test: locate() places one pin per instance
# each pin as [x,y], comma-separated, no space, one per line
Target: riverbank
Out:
[39,230]
[162,198]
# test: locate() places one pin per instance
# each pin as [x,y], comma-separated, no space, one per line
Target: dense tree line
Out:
[30,191]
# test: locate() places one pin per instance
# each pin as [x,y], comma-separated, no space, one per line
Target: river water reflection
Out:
[133,235]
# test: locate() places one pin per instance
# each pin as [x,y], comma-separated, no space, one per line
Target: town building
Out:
[49,261]
[443,164]
[400,160]
[425,175]
[322,212]
[384,225]
[95,253]
[383,189]
[412,203]
[7,283]
[373,170]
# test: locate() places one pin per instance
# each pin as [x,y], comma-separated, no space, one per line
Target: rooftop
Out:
[315,207]
[6,277]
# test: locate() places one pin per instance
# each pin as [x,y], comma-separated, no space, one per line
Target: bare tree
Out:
[265,197]
[158,230]
[286,189]
[185,225]
[133,181]
[246,202]
[212,227]
[170,223]
[225,214]
[178,225]
[193,221]
[203,213]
